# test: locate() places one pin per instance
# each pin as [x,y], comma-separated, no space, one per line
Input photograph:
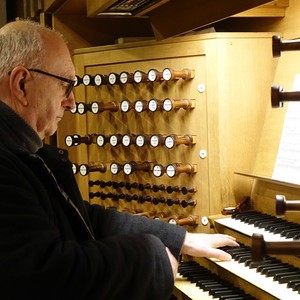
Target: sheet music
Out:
[287,166]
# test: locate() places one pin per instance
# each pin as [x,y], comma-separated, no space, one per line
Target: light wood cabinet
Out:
[231,95]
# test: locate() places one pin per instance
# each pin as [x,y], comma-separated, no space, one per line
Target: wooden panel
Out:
[272,9]
[194,14]
[227,119]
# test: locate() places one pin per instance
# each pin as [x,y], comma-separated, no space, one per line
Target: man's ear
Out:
[18,77]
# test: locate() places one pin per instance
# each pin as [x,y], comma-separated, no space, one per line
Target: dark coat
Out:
[55,246]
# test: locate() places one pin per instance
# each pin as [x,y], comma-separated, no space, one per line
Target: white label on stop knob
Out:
[137,77]
[157,171]
[152,75]
[169,142]
[171,171]
[123,78]
[100,140]
[152,105]
[126,140]
[140,141]
[167,75]
[86,80]
[69,140]
[80,108]
[113,140]
[127,169]
[114,168]
[125,106]
[83,170]
[154,140]
[98,80]
[138,106]
[112,78]
[167,105]
[95,107]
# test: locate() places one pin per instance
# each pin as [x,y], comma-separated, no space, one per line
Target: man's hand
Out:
[204,245]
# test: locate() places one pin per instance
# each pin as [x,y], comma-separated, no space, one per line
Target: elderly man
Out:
[53,244]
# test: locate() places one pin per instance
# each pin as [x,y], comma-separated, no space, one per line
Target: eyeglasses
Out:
[69,81]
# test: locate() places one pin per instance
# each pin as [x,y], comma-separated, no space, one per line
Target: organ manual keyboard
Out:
[270,278]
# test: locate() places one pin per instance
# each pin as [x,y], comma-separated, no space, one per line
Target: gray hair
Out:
[21,44]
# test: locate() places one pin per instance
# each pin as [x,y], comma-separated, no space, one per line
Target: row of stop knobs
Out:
[143,186]
[153,75]
[181,219]
[131,167]
[140,140]
[143,198]
[191,220]
[138,106]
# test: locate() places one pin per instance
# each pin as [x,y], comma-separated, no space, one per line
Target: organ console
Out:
[227,158]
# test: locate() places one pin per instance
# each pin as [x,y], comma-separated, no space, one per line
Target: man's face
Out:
[48,99]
